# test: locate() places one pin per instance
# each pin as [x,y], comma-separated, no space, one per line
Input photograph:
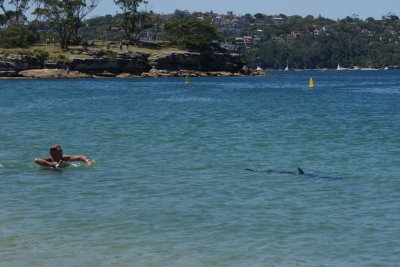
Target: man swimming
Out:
[58,160]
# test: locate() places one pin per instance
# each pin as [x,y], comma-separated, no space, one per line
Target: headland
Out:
[49,62]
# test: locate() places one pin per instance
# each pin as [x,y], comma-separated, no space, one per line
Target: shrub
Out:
[40,54]
[62,57]
[108,55]
[191,33]
[17,36]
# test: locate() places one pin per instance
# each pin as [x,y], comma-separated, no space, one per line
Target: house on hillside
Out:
[277,19]
[365,32]
[318,31]
[240,43]
[229,47]
[327,28]
[248,41]
[295,34]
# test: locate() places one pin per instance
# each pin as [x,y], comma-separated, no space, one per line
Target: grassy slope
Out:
[56,53]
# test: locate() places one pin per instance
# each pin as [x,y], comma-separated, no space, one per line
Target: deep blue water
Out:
[170,187]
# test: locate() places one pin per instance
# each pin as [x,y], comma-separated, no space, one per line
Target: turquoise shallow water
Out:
[170,187]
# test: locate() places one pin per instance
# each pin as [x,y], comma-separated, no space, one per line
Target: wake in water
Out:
[31,166]
[299,172]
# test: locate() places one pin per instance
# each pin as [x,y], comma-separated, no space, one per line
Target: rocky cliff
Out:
[133,63]
[125,65]
[197,62]
[17,63]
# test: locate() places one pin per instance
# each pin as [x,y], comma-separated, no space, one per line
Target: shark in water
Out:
[299,172]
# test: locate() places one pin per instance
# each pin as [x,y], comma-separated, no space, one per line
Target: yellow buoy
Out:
[311,83]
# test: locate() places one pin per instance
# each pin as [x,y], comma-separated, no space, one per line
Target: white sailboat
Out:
[287,65]
[340,68]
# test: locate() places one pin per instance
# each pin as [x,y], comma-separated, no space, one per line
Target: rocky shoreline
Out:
[125,65]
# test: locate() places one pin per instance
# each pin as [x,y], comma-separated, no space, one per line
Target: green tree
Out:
[14,12]
[14,30]
[17,36]
[134,21]
[66,16]
[191,34]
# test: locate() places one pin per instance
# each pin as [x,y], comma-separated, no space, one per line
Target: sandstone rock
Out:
[258,73]
[135,63]
[52,74]
[8,73]
[105,74]
[185,73]
[127,75]
[55,65]
[6,65]
[93,65]
[197,61]
[20,62]
[128,64]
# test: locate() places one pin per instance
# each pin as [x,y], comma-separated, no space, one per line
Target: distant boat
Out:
[356,68]
[340,68]
[259,68]
[287,65]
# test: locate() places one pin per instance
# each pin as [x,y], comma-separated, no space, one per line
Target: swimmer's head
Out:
[56,152]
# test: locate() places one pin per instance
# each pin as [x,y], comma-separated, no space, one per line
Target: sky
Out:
[333,9]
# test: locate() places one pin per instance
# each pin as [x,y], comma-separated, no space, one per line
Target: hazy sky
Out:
[327,8]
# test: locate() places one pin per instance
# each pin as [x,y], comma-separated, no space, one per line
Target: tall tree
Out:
[13,12]
[3,14]
[133,20]
[66,16]
[14,30]
[192,34]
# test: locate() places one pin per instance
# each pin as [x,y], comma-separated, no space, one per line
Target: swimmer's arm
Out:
[47,162]
[79,158]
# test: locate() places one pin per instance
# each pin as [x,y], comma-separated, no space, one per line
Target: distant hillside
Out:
[273,41]
[268,41]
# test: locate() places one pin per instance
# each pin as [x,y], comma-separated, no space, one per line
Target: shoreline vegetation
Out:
[59,41]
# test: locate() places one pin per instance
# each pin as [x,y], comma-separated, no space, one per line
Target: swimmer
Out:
[58,160]
[1,165]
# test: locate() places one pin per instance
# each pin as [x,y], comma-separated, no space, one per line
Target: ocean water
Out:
[170,185]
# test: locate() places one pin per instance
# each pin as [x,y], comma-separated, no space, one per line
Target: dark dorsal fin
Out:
[301,172]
